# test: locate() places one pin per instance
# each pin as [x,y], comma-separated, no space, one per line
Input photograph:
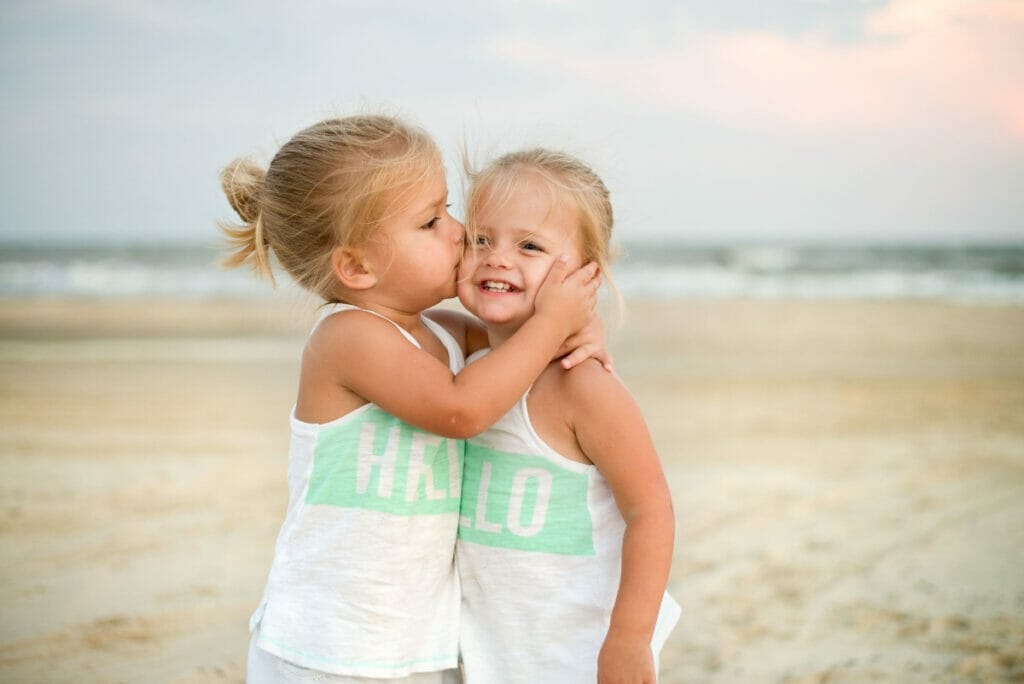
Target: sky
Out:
[711,121]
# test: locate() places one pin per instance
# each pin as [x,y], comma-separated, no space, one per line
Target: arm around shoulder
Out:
[377,364]
[368,357]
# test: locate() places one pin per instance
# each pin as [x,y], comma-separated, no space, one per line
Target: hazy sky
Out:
[710,120]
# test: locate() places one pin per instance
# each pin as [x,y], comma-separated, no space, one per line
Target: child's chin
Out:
[498,318]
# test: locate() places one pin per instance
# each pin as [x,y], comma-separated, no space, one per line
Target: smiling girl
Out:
[566,526]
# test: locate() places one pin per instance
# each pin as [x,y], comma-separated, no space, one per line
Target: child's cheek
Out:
[465,267]
[464,284]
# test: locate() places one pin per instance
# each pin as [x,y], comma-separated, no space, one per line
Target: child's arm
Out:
[612,433]
[470,332]
[364,356]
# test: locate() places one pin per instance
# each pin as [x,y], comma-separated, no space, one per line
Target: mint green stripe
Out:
[519,501]
[378,462]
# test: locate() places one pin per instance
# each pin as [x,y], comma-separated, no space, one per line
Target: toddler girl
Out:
[566,529]
[362,584]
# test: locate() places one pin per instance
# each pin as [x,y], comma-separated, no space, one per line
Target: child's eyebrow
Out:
[529,234]
[430,205]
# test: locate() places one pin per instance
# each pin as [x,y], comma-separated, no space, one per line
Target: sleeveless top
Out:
[363,580]
[539,554]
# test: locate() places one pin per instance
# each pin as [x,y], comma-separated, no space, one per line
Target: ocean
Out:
[974,274]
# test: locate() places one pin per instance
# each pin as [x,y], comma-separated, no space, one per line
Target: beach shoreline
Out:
[848,478]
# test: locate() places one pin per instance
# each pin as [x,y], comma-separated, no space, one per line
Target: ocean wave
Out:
[978,274]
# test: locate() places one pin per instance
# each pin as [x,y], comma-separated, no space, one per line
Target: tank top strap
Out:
[337,307]
[456,359]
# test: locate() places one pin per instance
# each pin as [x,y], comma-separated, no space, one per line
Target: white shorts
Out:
[266,668]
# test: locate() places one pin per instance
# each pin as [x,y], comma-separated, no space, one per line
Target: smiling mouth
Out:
[498,286]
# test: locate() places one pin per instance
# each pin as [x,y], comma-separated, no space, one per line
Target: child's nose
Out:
[498,257]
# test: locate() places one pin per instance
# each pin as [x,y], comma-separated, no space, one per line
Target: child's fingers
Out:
[578,354]
[559,271]
[589,274]
[588,351]
[557,275]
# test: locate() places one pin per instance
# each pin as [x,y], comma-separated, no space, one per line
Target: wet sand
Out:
[848,481]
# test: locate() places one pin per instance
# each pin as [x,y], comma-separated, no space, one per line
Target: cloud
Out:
[937,65]
[735,116]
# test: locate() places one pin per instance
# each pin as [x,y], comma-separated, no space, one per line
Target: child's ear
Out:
[351,270]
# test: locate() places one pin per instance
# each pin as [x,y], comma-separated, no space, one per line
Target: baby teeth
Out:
[494,286]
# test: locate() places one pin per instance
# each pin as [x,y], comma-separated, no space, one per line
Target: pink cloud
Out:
[937,64]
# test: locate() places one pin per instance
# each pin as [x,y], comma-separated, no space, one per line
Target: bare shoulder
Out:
[589,384]
[607,427]
[331,355]
[345,338]
[584,395]
[350,328]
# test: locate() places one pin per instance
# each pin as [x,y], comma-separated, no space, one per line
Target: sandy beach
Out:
[848,480]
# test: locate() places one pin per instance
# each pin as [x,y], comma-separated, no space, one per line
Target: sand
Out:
[848,480]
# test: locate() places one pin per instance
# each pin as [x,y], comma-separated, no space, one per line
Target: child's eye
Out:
[432,222]
[532,247]
[481,241]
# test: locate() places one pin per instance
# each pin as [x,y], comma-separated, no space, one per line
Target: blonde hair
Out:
[330,186]
[570,182]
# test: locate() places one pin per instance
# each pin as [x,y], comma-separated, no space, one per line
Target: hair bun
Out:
[242,181]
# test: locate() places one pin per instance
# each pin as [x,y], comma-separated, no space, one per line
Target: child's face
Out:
[515,246]
[418,250]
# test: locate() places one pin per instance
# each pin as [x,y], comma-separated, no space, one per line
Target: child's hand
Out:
[588,343]
[625,660]
[569,298]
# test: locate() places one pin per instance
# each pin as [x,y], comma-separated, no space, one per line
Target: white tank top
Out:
[363,581]
[539,554]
